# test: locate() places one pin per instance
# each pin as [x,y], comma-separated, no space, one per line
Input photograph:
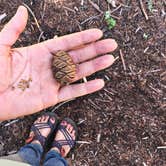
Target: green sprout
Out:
[150,5]
[109,20]
[145,36]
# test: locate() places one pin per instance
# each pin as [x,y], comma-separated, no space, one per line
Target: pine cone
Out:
[63,67]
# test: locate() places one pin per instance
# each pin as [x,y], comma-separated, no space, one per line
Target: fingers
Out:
[90,67]
[14,28]
[86,69]
[71,41]
[77,90]
[92,50]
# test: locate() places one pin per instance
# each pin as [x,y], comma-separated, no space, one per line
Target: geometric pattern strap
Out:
[37,135]
[36,130]
[57,145]
[68,139]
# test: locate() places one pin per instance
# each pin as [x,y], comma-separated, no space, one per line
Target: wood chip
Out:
[123,61]
[143,10]
[161,147]
[95,6]
[2,16]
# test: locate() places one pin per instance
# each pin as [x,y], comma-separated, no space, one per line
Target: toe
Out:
[73,134]
[38,120]
[52,120]
[64,123]
[31,134]
[42,119]
[70,129]
[46,119]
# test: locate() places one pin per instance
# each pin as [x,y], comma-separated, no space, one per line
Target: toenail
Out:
[63,123]
[52,118]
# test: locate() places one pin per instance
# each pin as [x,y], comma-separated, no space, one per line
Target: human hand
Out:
[27,84]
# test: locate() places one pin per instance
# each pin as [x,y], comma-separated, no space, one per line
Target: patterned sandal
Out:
[36,127]
[68,138]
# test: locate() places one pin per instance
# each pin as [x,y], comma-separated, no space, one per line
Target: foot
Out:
[41,129]
[69,142]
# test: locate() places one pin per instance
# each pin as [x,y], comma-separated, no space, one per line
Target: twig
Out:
[109,92]
[2,16]
[146,49]
[84,79]
[90,18]
[67,8]
[34,17]
[81,121]
[153,71]
[144,164]
[12,152]
[79,26]
[123,61]
[116,9]
[98,137]
[40,36]
[163,74]
[161,147]
[95,6]
[104,101]
[143,9]
[107,77]
[83,142]
[61,104]
[11,122]
[82,2]
[116,17]
[116,58]
[94,105]
[107,148]
[155,90]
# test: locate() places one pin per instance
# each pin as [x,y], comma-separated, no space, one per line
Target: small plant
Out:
[150,5]
[109,20]
[145,36]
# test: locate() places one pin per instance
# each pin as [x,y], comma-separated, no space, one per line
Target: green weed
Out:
[150,5]
[109,20]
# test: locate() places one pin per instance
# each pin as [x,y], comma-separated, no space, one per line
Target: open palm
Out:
[31,66]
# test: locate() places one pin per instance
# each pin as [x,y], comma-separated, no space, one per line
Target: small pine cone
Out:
[63,67]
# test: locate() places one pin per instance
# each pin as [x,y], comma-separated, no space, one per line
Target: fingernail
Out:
[21,8]
[99,82]
[112,58]
[115,43]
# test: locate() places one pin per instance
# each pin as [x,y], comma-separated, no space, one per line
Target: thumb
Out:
[14,27]
[8,37]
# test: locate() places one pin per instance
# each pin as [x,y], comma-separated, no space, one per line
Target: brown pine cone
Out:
[63,67]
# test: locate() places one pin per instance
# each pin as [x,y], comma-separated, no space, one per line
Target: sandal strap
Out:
[64,142]
[37,134]
[57,145]
[68,139]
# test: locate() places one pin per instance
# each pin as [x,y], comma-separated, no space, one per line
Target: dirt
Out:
[125,123]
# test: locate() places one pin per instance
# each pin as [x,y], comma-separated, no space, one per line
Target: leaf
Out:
[109,20]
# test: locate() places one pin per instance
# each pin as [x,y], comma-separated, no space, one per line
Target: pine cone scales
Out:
[63,67]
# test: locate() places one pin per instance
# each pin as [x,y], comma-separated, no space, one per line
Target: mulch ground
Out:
[125,123]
